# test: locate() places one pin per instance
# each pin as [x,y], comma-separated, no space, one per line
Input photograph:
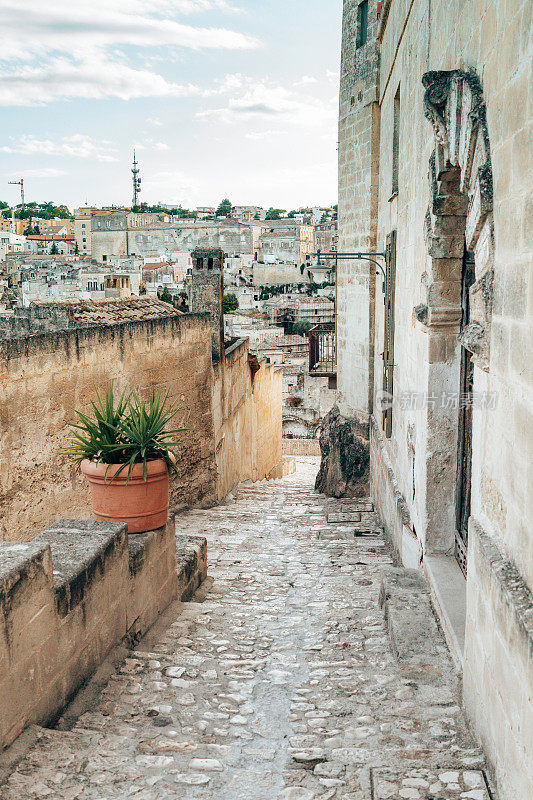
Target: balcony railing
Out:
[323,350]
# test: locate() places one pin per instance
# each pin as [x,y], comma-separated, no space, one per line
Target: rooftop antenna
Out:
[21,184]
[136,180]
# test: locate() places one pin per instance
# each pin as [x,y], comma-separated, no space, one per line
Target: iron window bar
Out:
[371,257]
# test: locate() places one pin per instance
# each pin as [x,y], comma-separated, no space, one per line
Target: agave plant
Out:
[144,428]
[98,437]
[130,432]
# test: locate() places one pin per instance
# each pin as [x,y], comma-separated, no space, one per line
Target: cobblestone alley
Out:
[278,683]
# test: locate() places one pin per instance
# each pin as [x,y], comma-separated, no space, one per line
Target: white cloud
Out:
[70,28]
[63,78]
[149,144]
[77,146]
[248,98]
[259,136]
[67,50]
[44,172]
[154,121]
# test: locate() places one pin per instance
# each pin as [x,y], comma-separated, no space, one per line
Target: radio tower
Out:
[136,180]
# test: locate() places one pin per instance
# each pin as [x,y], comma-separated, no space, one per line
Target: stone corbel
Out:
[444,317]
[437,85]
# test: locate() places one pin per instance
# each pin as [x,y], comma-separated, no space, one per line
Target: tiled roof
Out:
[47,237]
[108,312]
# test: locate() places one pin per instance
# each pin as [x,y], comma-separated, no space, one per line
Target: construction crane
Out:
[21,184]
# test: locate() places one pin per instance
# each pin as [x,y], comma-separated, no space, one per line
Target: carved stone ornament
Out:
[437,84]
[460,212]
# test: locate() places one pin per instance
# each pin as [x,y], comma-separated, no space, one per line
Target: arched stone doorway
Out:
[459,234]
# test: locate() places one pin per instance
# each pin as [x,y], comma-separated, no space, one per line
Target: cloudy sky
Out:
[232,98]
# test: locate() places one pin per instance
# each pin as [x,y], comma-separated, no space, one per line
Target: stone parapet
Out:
[71,595]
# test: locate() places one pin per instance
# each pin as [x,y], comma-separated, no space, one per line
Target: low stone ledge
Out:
[16,562]
[81,550]
[191,556]
[69,597]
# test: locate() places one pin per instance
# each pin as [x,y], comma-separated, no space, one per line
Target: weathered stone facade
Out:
[206,292]
[70,596]
[358,159]
[449,182]
[152,234]
[46,376]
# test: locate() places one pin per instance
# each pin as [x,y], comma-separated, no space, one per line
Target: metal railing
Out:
[323,350]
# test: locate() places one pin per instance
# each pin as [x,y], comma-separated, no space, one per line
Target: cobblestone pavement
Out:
[280,685]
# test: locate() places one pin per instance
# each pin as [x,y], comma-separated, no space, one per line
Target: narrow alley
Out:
[279,681]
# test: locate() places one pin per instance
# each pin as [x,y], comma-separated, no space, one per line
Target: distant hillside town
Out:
[48,253]
[277,291]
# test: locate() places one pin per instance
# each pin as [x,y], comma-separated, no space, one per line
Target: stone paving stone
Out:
[280,685]
[423,784]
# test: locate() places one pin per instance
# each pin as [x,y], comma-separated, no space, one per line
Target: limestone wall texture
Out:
[152,234]
[462,75]
[247,409]
[301,447]
[232,414]
[358,154]
[71,595]
[45,377]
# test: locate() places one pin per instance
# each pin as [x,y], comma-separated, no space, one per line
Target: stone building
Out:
[326,236]
[82,230]
[144,235]
[434,351]
[285,240]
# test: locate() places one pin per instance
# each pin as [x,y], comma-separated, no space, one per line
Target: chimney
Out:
[207,285]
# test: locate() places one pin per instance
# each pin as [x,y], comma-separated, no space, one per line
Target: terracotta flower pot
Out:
[142,505]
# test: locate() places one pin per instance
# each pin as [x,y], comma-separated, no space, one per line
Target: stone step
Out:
[344,517]
[415,637]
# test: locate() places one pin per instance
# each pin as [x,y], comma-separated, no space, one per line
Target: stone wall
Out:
[278,274]
[463,75]
[247,418]
[231,410]
[498,674]
[70,596]
[151,234]
[301,447]
[45,377]
[358,159]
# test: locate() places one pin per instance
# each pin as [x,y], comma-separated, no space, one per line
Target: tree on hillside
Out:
[165,296]
[224,209]
[275,213]
[184,213]
[53,249]
[230,303]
